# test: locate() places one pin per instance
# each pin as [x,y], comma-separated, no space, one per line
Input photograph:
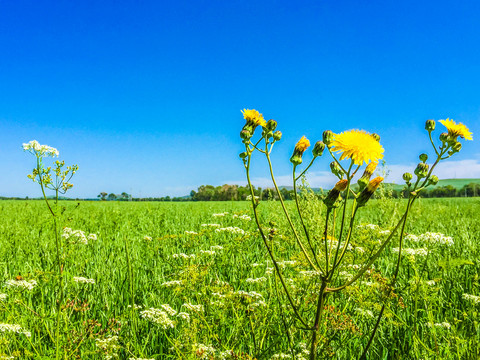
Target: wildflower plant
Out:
[325,254]
[56,179]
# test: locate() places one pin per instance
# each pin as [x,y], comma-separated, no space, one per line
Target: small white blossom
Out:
[172,283]
[216,247]
[25,284]
[368,226]
[183,256]
[472,298]
[256,281]
[191,232]
[3,297]
[220,214]
[203,351]
[159,317]
[231,229]
[83,280]
[184,316]
[40,150]
[242,217]
[366,313]
[196,308]
[412,252]
[211,225]
[445,325]
[207,252]
[15,328]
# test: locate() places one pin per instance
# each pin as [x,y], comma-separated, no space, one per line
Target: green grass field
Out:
[166,287]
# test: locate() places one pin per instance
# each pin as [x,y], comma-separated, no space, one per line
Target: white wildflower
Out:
[281,356]
[216,247]
[75,236]
[257,280]
[231,229]
[368,226]
[92,237]
[242,217]
[359,249]
[310,274]
[191,232]
[204,351]
[412,252]
[249,198]
[256,264]
[184,316]
[108,344]
[444,325]
[430,282]
[25,284]
[158,317]
[168,309]
[220,214]
[83,280]
[15,328]
[183,256]
[211,225]
[135,306]
[384,232]
[472,298]
[284,264]
[3,297]
[172,283]
[252,294]
[40,150]
[207,252]
[366,313]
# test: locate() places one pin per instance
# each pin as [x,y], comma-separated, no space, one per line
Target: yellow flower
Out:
[253,117]
[302,145]
[455,130]
[357,145]
[370,169]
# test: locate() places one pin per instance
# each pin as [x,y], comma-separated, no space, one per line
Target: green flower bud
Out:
[423,157]
[422,170]
[271,125]
[407,177]
[277,135]
[296,159]
[444,137]
[243,155]
[245,134]
[457,147]
[430,125]
[336,169]
[318,148]
[433,180]
[327,137]
[362,183]
[376,136]
[334,194]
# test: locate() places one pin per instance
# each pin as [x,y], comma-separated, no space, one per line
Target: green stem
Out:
[318,316]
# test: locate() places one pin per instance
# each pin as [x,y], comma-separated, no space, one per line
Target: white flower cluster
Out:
[249,198]
[412,252]
[432,238]
[83,280]
[183,256]
[3,297]
[191,232]
[242,217]
[25,284]
[108,344]
[15,328]
[365,313]
[252,294]
[368,226]
[472,298]
[444,325]
[168,309]
[310,273]
[204,351]
[220,214]
[172,283]
[159,317]
[285,263]
[211,225]
[77,236]
[139,359]
[40,150]
[216,247]
[231,229]
[257,280]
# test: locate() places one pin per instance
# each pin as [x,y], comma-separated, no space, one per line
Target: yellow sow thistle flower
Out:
[363,181]
[455,130]
[357,145]
[367,193]
[253,117]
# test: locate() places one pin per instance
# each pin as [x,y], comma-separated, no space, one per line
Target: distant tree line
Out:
[470,190]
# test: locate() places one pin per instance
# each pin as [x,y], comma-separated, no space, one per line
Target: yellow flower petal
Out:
[357,145]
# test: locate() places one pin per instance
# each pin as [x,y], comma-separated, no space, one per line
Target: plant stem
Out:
[318,316]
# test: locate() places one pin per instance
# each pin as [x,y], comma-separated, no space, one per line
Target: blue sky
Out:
[146,96]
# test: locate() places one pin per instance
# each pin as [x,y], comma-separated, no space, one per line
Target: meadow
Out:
[193,281]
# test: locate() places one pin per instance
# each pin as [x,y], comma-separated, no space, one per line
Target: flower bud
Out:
[300,148]
[407,177]
[271,125]
[423,157]
[367,193]
[336,169]
[318,148]
[430,125]
[277,135]
[433,180]
[422,170]
[376,136]
[363,181]
[334,194]
[327,137]
[457,147]
[243,155]
[444,137]
[245,134]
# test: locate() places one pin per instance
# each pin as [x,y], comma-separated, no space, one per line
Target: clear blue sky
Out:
[146,96]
